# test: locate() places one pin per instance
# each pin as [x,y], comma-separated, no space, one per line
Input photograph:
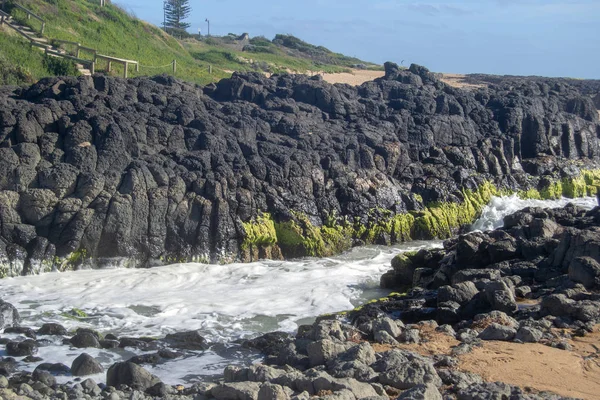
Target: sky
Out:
[518,37]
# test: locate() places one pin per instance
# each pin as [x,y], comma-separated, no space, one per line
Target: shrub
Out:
[59,66]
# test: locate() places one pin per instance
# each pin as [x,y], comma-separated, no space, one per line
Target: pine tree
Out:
[176,11]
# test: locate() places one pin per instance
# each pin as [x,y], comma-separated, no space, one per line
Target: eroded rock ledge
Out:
[152,171]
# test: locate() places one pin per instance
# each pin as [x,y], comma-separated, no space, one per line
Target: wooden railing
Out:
[91,64]
[78,47]
[4,20]
[32,14]
[122,61]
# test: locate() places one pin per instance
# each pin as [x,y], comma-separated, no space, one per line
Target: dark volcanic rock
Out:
[191,340]
[85,365]
[555,258]
[130,374]
[154,168]
[85,339]
[21,349]
[52,329]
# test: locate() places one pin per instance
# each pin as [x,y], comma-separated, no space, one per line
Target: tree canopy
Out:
[176,11]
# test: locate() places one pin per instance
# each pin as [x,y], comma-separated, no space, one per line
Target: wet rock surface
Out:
[365,355]
[156,171]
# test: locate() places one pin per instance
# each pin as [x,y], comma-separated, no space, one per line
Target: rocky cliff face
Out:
[157,170]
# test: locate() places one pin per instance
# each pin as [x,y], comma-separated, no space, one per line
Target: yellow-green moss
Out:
[74,313]
[299,237]
[533,194]
[574,187]
[554,191]
[586,184]
[259,232]
[72,261]
[441,220]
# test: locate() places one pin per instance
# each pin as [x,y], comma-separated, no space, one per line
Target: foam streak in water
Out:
[499,207]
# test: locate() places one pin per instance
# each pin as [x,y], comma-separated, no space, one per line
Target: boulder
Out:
[9,316]
[321,351]
[21,349]
[130,374]
[52,329]
[237,391]
[460,293]
[421,392]
[528,334]
[269,391]
[44,377]
[585,270]
[191,340]
[498,332]
[85,364]
[85,339]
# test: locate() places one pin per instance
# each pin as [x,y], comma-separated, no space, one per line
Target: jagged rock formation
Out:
[157,170]
[552,256]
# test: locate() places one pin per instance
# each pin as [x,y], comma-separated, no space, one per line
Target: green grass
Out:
[19,64]
[113,32]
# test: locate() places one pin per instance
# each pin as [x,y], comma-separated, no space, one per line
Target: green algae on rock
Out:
[587,183]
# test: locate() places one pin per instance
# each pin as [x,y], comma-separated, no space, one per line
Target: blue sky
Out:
[521,37]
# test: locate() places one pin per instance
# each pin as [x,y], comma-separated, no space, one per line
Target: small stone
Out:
[410,336]
[498,332]
[564,346]
[90,387]
[528,334]
[384,337]
[420,392]
[523,292]
[44,377]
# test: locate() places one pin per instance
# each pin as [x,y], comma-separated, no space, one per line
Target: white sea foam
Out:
[225,302]
[499,207]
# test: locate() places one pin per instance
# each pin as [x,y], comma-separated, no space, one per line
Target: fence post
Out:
[93,68]
[210,69]
[174,67]
[137,67]
[125,72]
[109,65]
[43,28]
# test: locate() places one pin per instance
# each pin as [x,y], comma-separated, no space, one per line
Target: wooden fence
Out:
[76,56]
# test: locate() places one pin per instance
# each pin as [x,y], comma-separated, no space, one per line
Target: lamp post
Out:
[208,31]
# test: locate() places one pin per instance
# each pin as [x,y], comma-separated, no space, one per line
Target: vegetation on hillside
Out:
[112,31]
[18,64]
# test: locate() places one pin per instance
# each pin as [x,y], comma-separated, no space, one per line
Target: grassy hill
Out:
[112,31]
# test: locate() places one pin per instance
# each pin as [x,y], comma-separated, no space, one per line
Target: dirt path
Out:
[569,373]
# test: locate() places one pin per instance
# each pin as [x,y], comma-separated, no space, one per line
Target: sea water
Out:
[224,302]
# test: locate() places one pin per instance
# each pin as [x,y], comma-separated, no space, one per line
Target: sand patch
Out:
[357,77]
[569,373]
[458,80]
